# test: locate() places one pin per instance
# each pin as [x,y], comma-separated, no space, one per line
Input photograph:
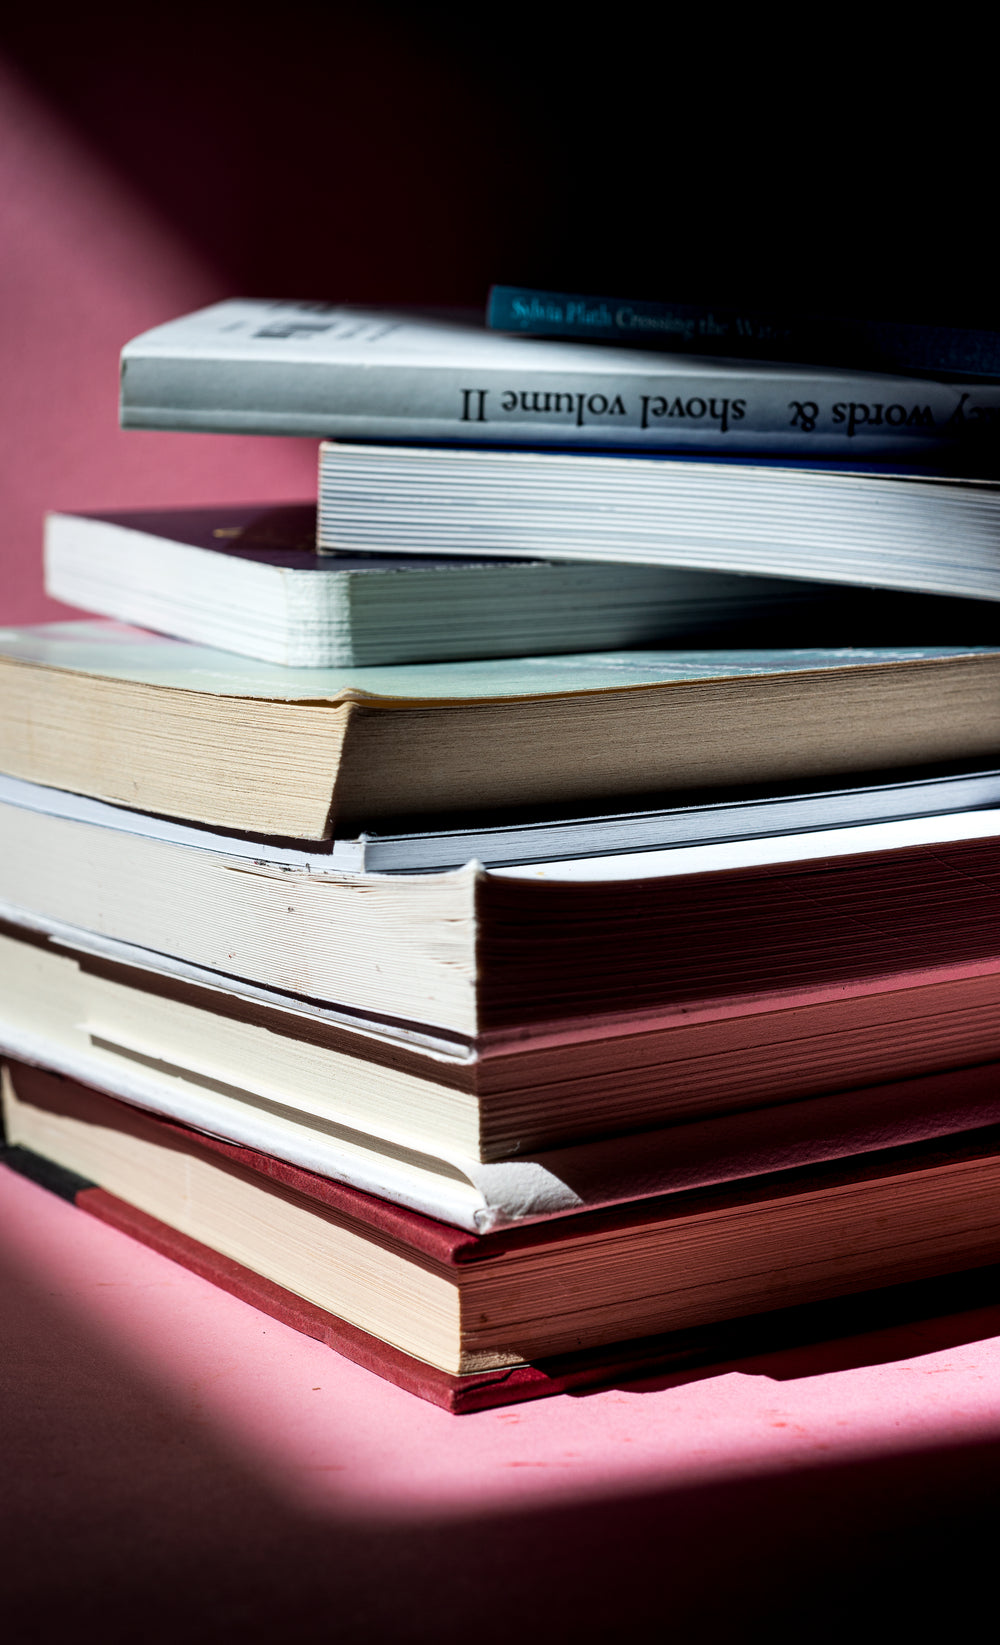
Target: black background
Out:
[393,152]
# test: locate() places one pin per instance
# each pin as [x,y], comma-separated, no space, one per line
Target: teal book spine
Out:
[866,345]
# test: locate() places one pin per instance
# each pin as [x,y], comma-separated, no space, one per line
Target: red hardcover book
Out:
[468,1321]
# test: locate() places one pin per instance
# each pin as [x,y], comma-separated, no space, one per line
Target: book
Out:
[173,728]
[927,533]
[725,1096]
[540,834]
[250,580]
[563,948]
[469,1319]
[746,333]
[254,367]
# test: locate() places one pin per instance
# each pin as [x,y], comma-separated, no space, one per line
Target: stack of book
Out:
[543,908]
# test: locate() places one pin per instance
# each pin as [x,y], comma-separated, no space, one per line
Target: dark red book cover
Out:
[282,534]
[440,1244]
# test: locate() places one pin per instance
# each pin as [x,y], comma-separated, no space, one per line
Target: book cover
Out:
[115,651]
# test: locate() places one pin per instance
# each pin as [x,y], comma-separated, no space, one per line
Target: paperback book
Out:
[250,580]
[551,952]
[746,333]
[510,1130]
[254,367]
[541,834]
[928,533]
[181,730]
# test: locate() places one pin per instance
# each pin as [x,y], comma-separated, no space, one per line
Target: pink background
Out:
[150,165]
[84,265]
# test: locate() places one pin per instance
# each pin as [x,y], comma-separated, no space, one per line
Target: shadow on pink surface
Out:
[855,1333]
[141,1502]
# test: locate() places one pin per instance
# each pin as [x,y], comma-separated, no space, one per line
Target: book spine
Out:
[867,345]
[705,408]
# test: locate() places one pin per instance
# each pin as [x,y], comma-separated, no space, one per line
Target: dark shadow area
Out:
[850,1333]
[331,151]
[391,152]
[126,1519]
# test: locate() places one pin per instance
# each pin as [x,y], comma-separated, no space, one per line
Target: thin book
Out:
[254,367]
[748,332]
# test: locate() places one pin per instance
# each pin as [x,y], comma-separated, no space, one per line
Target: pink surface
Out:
[84,265]
[153,1420]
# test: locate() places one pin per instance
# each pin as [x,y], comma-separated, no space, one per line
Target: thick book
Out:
[560,948]
[927,533]
[472,1320]
[749,333]
[255,367]
[455,1135]
[185,731]
[250,580]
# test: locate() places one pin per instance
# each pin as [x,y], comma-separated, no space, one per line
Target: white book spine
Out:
[479,406]
[244,368]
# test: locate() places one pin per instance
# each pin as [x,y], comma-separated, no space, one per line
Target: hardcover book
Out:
[471,1320]
[180,730]
[253,367]
[250,580]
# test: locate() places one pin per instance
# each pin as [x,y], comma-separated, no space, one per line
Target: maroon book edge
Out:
[678,1351]
[570,1373]
[457,1394]
[974,1093]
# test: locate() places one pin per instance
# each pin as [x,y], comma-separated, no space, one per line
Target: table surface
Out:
[181,1466]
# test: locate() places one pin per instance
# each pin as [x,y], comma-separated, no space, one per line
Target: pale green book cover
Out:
[113,651]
